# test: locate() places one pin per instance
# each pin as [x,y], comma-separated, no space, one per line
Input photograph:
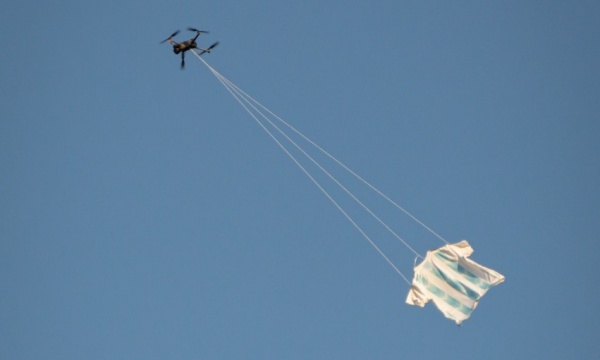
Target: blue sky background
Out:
[144,215]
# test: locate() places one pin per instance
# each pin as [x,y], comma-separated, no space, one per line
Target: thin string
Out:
[238,96]
[330,176]
[372,187]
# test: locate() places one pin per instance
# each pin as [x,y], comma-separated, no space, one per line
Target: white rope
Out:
[237,96]
[372,187]
[329,175]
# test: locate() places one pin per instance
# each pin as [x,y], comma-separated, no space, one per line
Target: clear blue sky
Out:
[144,215]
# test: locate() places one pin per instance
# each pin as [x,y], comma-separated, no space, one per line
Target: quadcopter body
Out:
[182,47]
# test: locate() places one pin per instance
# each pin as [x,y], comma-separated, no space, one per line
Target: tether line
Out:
[249,104]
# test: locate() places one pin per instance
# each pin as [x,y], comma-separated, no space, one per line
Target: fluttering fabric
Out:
[452,281]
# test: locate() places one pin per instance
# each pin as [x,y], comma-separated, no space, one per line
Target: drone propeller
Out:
[198,31]
[212,46]
[170,37]
[208,49]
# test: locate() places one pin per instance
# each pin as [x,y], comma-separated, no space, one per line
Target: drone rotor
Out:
[170,37]
[208,49]
[198,31]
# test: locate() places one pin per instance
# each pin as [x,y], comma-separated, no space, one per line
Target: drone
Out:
[182,47]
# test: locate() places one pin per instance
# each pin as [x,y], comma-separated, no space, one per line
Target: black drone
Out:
[182,47]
